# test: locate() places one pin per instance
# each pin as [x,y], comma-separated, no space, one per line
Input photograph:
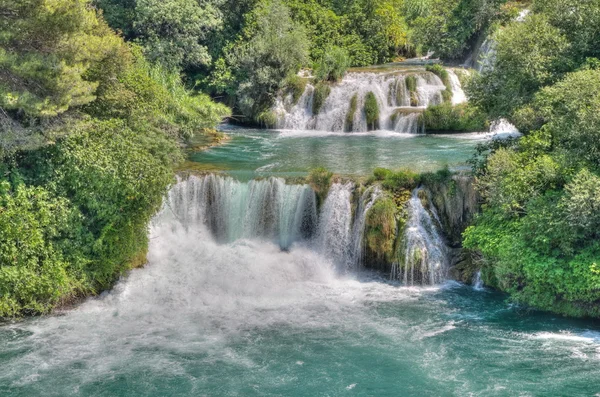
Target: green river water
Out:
[248,319]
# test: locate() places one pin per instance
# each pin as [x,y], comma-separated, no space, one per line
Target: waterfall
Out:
[273,211]
[334,236]
[486,56]
[503,127]
[399,109]
[368,198]
[458,95]
[425,257]
[478,282]
[265,209]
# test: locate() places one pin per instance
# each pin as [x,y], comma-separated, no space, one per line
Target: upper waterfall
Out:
[401,97]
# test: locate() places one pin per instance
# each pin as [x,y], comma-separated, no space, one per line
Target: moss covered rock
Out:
[349,125]
[372,111]
[322,91]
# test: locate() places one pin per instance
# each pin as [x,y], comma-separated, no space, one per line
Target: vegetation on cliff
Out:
[538,233]
[90,131]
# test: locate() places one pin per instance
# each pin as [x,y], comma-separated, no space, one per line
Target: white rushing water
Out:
[270,210]
[425,258]
[266,209]
[478,282]
[397,112]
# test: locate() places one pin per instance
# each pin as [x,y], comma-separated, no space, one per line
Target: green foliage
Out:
[381,227]
[322,91]
[460,118]
[90,135]
[372,111]
[578,20]
[447,27]
[35,230]
[539,229]
[295,85]
[270,48]
[173,31]
[569,112]
[442,73]
[397,181]
[568,284]
[268,119]
[320,180]
[349,126]
[333,65]
[530,55]
[411,86]
[47,51]
[143,93]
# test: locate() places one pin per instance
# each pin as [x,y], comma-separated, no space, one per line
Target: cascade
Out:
[399,108]
[425,257]
[368,198]
[265,209]
[271,210]
[478,282]
[334,236]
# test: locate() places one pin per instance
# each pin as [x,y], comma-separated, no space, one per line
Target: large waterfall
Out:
[271,210]
[401,97]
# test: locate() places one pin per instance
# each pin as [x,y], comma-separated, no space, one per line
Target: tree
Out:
[173,32]
[530,55]
[47,50]
[272,47]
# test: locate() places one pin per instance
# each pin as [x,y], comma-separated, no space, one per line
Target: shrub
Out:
[381,173]
[36,236]
[397,181]
[320,180]
[333,64]
[268,119]
[411,86]
[349,126]
[372,111]
[381,227]
[295,85]
[442,73]
[322,91]
[459,118]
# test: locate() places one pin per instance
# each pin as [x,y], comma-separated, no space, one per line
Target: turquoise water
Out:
[256,153]
[246,319]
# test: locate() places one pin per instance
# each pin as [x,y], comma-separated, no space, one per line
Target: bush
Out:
[381,227]
[333,64]
[322,91]
[372,111]
[381,173]
[268,119]
[396,181]
[411,86]
[295,85]
[442,73]
[349,126]
[38,250]
[320,180]
[459,118]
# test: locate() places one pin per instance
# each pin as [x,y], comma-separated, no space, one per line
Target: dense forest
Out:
[98,98]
